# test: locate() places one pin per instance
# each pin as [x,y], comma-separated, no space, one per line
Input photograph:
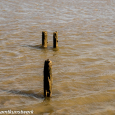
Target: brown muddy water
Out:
[83,67]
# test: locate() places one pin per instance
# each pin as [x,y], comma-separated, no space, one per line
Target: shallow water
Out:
[83,67]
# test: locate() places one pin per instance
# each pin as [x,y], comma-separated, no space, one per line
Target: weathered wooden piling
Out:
[48,78]
[44,39]
[55,39]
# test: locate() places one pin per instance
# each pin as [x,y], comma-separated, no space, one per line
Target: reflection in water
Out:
[25,93]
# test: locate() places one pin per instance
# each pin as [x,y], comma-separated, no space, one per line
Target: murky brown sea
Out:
[83,68]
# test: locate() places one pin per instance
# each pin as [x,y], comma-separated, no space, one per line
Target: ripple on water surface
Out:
[83,67]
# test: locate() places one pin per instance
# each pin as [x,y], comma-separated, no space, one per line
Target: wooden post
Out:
[44,39]
[55,39]
[48,78]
